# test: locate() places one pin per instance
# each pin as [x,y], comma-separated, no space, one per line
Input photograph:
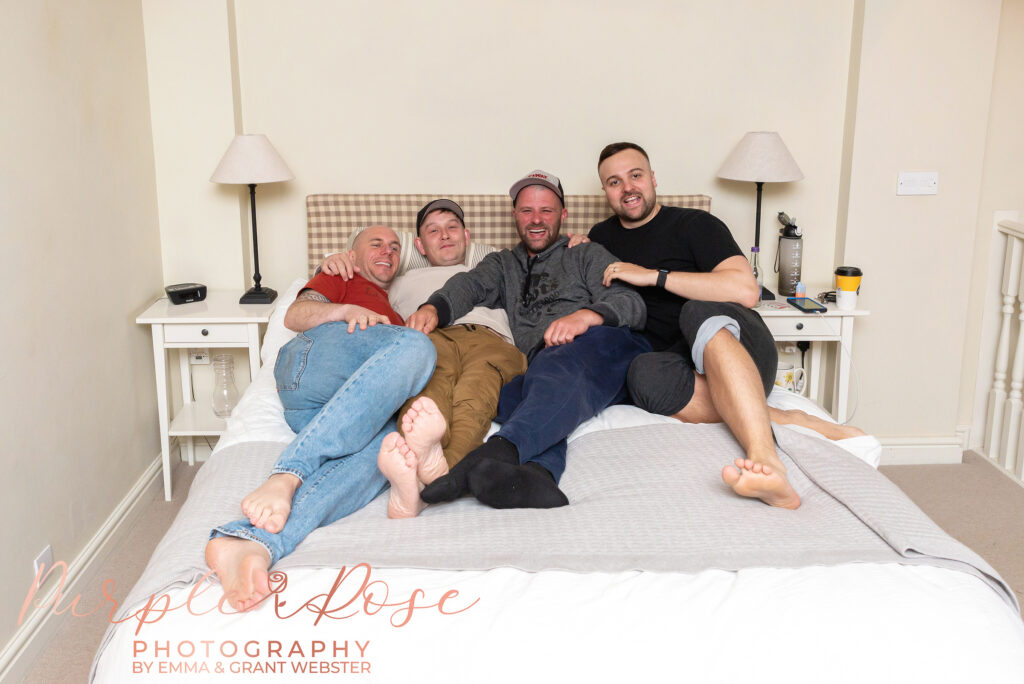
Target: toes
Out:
[425,404]
[390,440]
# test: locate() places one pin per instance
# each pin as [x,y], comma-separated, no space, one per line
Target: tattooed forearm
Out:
[312,295]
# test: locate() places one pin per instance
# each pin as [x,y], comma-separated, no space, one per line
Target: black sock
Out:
[502,485]
[455,484]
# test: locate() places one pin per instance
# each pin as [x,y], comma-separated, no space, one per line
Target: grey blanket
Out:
[644,498]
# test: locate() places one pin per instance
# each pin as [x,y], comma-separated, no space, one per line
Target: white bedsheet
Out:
[851,623]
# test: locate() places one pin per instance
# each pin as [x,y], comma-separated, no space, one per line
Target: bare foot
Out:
[241,566]
[761,481]
[424,426]
[268,506]
[398,463]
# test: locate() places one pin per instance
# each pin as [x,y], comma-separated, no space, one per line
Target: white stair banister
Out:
[1012,407]
[997,395]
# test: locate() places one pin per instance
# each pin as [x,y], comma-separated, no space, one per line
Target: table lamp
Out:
[760,157]
[251,160]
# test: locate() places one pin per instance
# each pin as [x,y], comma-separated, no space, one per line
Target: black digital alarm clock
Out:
[182,293]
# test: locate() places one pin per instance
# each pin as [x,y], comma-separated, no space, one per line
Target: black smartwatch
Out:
[662,277]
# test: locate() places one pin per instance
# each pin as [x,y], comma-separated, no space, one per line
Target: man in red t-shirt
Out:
[341,380]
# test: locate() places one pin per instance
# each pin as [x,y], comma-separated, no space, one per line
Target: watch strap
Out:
[662,277]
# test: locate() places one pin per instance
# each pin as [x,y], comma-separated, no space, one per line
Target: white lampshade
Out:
[251,159]
[761,157]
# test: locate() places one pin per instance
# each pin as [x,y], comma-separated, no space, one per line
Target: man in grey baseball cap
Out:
[541,178]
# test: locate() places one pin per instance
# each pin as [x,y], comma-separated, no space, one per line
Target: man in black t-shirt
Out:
[714,359]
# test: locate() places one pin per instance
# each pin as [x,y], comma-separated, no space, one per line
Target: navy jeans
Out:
[563,387]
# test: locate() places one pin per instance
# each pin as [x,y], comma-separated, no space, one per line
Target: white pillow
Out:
[277,335]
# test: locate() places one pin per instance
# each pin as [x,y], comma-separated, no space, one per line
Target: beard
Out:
[636,212]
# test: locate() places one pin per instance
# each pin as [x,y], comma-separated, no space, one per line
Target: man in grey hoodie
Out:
[577,333]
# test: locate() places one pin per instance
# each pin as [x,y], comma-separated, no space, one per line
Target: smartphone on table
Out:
[806,304]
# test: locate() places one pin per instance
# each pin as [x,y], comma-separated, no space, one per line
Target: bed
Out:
[655,572]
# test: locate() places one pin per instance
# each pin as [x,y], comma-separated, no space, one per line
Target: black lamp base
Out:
[766,294]
[262,295]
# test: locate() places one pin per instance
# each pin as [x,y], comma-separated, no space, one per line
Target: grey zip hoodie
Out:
[535,291]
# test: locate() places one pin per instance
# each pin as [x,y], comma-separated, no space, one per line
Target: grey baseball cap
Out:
[442,204]
[538,177]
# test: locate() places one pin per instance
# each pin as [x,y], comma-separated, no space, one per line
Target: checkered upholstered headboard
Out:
[331,218]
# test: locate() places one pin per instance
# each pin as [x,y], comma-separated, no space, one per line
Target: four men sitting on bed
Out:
[704,356]
[341,379]
[714,359]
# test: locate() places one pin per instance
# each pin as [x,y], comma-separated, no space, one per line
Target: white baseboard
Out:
[923,450]
[34,634]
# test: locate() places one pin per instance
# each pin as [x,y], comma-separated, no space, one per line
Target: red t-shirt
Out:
[358,291]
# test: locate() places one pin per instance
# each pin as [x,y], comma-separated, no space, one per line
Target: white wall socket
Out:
[199,357]
[917,183]
[45,558]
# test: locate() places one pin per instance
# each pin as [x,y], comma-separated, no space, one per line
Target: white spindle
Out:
[997,395]
[1012,407]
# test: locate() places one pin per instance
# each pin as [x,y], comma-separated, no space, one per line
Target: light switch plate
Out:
[917,183]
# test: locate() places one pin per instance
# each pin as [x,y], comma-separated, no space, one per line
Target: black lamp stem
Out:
[256,248]
[757,221]
[258,294]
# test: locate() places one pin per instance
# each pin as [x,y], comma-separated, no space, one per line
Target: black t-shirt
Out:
[677,240]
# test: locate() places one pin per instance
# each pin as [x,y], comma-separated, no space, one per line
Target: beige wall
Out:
[80,258]
[1002,190]
[193,121]
[922,105]
[454,96]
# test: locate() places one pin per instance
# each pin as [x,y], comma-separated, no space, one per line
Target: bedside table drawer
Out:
[809,326]
[203,333]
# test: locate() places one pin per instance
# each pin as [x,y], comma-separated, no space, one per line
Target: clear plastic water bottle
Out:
[225,394]
[789,256]
[758,276]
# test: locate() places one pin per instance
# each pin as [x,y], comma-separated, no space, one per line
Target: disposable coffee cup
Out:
[846,300]
[848,279]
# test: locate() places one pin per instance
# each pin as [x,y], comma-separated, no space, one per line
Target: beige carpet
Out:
[68,658]
[971,501]
[976,504]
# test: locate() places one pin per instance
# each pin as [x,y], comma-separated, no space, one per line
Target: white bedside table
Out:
[789,325]
[217,322]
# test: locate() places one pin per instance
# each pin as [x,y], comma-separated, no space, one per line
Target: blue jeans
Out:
[339,392]
[563,387]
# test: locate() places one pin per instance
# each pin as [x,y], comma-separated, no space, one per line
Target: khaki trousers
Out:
[473,363]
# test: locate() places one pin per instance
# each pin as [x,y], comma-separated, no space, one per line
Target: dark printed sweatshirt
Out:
[535,291]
